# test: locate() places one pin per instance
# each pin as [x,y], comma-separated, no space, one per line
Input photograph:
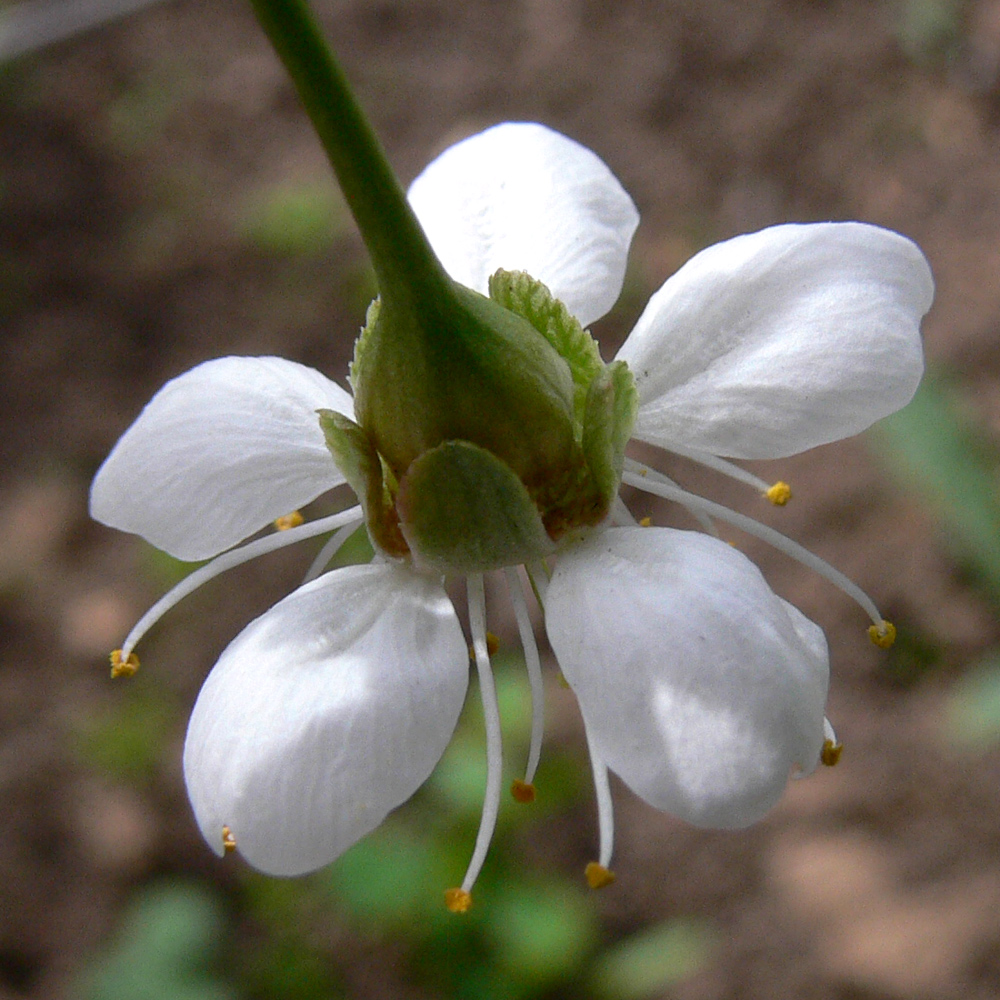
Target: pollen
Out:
[126,667]
[228,840]
[522,791]
[830,754]
[458,900]
[883,635]
[292,520]
[598,876]
[645,522]
[779,494]
[492,646]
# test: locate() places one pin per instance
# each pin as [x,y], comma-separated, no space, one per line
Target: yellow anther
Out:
[779,494]
[228,840]
[457,900]
[561,680]
[830,753]
[598,876]
[492,646]
[883,635]
[126,667]
[645,522]
[292,520]
[522,791]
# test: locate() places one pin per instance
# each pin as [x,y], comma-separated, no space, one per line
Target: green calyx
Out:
[486,431]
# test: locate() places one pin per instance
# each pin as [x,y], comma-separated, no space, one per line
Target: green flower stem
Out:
[410,276]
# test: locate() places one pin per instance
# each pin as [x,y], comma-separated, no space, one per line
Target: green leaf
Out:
[395,877]
[542,932]
[126,741]
[649,962]
[933,448]
[167,938]
[300,218]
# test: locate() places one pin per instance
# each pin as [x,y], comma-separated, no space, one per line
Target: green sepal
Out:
[359,463]
[465,369]
[530,299]
[612,406]
[463,510]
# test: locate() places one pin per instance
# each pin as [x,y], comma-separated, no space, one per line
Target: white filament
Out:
[234,557]
[534,667]
[491,715]
[721,465]
[605,808]
[330,548]
[660,486]
[828,733]
[621,516]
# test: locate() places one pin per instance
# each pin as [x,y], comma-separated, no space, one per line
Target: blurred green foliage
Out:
[929,31]
[296,218]
[653,960]
[163,951]
[126,740]
[938,452]
[139,115]
[912,657]
[973,710]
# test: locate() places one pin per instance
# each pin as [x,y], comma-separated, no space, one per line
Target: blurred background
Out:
[162,202]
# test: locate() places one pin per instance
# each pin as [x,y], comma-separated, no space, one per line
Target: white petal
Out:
[218,453]
[697,684]
[523,197]
[778,341]
[324,714]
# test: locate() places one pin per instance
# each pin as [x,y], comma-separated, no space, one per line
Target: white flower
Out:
[698,686]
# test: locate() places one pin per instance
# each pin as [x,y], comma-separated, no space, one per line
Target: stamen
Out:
[292,520]
[832,747]
[228,840]
[538,577]
[234,557]
[123,666]
[330,548]
[883,634]
[598,876]
[621,515]
[597,872]
[779,494]
[662,487]
[695,512]
[646,522]
[492,646]
[457,900]
[494,749]
[533,664]
[522,791]
[729,469]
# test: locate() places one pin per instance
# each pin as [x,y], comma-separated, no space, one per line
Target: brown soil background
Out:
[128,157]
